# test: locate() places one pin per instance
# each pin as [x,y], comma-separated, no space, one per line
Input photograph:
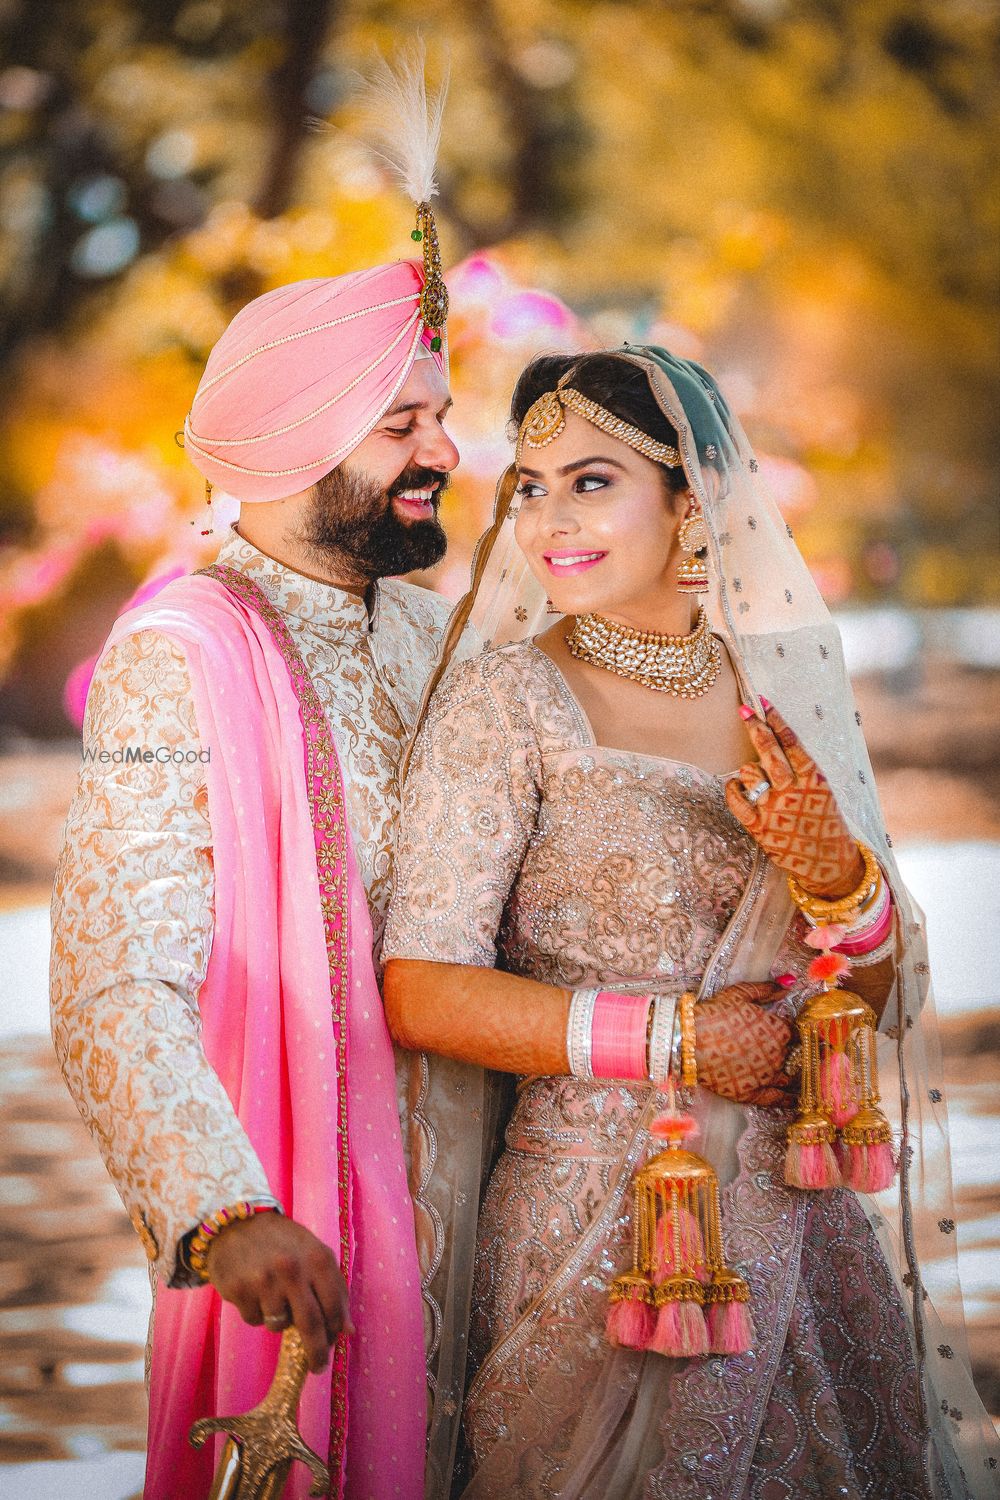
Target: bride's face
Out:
[596,524]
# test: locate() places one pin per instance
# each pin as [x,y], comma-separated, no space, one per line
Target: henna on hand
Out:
[797,822]
[740,1047]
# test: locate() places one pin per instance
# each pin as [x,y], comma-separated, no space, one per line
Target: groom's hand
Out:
[276,1271]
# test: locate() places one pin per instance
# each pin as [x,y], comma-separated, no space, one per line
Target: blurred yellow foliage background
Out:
[802,195]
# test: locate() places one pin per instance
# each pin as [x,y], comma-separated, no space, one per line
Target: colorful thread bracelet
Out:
[211,1227]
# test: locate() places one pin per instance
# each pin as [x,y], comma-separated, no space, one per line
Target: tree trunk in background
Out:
[307,25]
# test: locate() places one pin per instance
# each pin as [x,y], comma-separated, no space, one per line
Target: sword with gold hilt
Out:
[263,1444]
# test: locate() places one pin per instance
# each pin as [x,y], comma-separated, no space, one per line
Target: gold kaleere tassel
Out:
[839,1100]
[678,1271]
[840,1137]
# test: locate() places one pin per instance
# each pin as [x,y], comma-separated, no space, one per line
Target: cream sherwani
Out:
[133,900]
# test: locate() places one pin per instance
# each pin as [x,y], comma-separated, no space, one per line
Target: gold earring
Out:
[208,501]
[692,537]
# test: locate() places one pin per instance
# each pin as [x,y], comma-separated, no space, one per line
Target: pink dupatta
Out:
[293,1025]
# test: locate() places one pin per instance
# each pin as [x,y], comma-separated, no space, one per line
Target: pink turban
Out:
[301,376]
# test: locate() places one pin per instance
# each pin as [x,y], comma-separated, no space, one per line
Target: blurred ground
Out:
[73,1288]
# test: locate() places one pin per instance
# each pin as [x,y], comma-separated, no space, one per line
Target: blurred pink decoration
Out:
[78,682]
[516,314]
[833,578]
[101,492]
[525,313]
[36,575]
[478,279]
[793,487]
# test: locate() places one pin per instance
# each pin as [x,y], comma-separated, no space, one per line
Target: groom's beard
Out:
[353,522]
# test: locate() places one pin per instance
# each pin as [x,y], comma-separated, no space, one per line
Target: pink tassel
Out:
[730,1328]
[630,1324]
[867,1169]
[692,1245]
[680,1331]
[811,1166]
[838,1087]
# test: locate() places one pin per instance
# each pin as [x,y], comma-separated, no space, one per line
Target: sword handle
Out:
[263,1443]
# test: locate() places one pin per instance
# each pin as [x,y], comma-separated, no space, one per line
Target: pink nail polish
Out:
[764,704]
[746,713]
[786,980]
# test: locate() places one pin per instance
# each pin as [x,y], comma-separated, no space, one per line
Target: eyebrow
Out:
[580,463]
[402,406]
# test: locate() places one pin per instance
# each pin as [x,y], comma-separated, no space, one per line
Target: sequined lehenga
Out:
[527,845]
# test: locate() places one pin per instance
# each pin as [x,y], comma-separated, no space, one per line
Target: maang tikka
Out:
[692,537]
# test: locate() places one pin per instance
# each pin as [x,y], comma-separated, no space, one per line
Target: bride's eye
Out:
[528,491]
[587,483]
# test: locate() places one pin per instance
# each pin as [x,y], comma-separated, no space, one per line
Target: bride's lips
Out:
[417,503]
[578,560]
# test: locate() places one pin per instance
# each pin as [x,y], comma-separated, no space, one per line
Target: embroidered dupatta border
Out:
[325,789]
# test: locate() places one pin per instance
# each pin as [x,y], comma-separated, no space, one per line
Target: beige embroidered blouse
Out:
[132,906]
[579,865]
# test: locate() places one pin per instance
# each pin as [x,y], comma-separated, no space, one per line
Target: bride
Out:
[613,854]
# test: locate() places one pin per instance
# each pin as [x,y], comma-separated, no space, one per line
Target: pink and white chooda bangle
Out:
[869,939]
[607,1035]
[872,928]
[874,945]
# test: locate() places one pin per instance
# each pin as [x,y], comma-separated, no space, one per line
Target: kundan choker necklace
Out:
[683,665]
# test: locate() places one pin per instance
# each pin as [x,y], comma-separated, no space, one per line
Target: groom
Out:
[222,889]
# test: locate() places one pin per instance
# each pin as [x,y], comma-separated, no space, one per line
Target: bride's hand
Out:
[796,821]
[740,1047]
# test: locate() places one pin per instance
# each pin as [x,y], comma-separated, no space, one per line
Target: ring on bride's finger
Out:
[793,1060]
[276,1321]
[758,790]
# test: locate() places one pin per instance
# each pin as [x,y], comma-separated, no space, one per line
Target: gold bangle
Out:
[689,1063]
[846,907]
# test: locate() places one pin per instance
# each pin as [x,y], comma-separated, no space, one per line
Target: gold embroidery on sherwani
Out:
[133,899]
